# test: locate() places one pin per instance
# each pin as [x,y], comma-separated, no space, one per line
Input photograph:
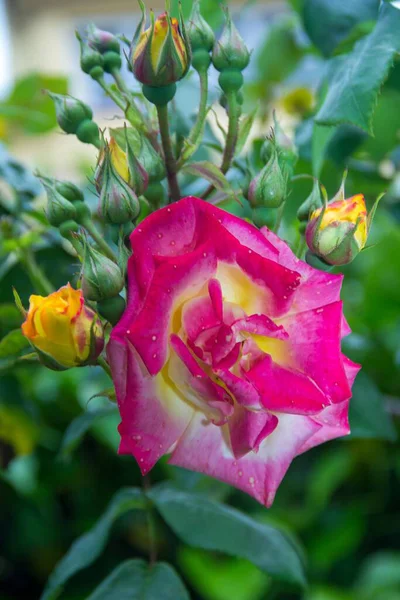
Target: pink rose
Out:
[228,354]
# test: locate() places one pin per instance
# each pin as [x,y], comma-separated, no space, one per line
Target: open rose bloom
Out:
[228,355]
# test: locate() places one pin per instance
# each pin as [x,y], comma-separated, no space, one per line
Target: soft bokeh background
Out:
[341,501]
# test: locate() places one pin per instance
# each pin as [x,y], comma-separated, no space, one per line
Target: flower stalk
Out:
[170,162]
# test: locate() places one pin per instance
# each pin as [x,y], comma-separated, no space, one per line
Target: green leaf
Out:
[380,572]
[222,578]
[206,524]
[10,318]
[355,79]
[281,52]
[320,140]
[13,343]
[79,426]
[135,580]
[29,107]
[211,173]
[330,23]
[87,548]
[368,418]
[244,129]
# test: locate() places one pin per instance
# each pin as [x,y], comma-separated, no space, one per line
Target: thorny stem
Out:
[170,162]
[35,274]
[121,84]
[231,138]
[190,144]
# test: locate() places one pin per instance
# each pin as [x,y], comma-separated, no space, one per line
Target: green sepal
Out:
[18,303]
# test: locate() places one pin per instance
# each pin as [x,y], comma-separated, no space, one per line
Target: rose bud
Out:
[230,56]
[268,189]
[90,58]
[74,116]
[118,202]
[101,277]
[200,34]
[127,165]
[70,112]
[102,41]
[337,232]
[63,330]
[160,55]
[58,209]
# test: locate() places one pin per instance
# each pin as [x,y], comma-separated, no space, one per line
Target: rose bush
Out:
[228,354]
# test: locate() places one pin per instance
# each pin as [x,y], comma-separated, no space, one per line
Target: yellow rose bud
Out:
[160,54]
[65,332]
[337,232]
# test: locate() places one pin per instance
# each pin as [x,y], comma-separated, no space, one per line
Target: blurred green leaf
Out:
[87,548]
[330,23]
[368,418]
[13,343]
[79,426]
[206,524]
[10,318]
[222,578]
[355,79]
[18,176]
[136,580]
[29,106]
[380,572]
[320,139]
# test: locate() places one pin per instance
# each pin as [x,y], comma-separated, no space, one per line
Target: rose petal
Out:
[154,415]
[286,390]
[315,346]
[205,448]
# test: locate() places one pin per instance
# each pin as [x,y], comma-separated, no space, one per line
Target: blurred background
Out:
[58,467]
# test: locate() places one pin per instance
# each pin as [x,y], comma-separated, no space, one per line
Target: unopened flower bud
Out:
[338,231]
[101,277]
[70,112]
[90,58]
[311,203]
[268,189]
[160,55]
[149,159]
[200,34]
[118,201]
[64,331]
[102,41]
[58,209]
[69,190]
[230,51]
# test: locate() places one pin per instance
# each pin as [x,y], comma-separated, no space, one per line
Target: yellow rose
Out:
[64,331]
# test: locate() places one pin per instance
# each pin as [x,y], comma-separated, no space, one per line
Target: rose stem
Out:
[170,162]
[231,139]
